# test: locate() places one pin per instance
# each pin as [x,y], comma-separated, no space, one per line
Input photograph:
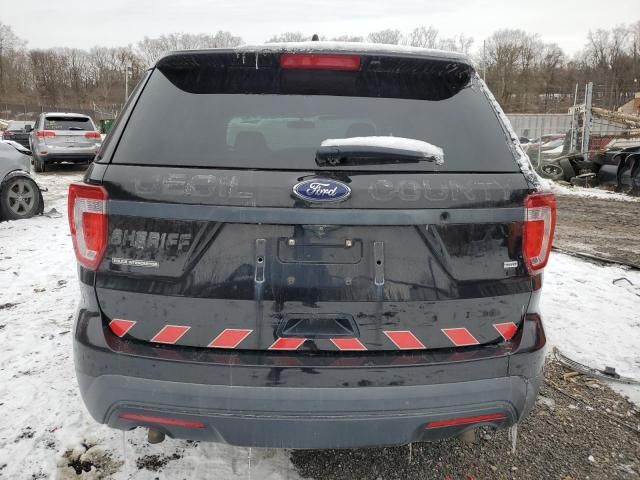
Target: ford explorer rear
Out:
[310,246]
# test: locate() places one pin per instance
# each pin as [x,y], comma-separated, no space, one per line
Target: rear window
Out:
[209,113]
[14,126]
[67,123]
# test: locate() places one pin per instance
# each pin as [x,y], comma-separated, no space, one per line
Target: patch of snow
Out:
[592,192]
[590,318]
[427,150]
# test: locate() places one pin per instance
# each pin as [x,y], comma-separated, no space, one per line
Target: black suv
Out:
[310,246]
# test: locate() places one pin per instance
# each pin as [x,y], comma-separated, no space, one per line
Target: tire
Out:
[552,171]
[20,198]
[39,165]
[567,169]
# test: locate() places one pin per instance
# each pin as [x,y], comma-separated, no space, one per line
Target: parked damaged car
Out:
[18,131]
[617,165]
[20,196]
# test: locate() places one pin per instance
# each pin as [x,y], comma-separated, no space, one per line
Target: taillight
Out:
[92,134]
[7,133]
[87,206]
[313,61]
[45,133]
[539,225]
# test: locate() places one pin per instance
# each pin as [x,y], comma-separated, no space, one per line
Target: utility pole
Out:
[575,120]
[484,61]
[588,91]
[127,72]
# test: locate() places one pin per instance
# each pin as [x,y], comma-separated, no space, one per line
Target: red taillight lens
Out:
[161,420]
[7,133]
[539,225]
[92,134]
[319,61]
[45,133]
[87,206]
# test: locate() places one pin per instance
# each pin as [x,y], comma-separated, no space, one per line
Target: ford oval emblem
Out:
[322,190]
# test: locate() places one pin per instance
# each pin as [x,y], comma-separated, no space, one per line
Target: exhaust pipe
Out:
[155,436]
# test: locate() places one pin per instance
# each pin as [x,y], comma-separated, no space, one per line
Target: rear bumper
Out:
[308,417]
[81,155]
[305,400]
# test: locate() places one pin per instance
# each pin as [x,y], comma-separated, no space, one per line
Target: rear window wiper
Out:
[376,151]
[76,128]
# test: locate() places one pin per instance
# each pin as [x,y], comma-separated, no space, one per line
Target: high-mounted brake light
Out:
[314,61]
[45,133]
[87,206]
[92,134]
[537,233]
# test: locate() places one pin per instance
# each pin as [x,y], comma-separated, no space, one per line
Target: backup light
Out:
[87,206]
[314,61]
[539,226]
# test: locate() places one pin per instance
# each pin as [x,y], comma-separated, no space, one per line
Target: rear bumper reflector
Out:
[120,327]
[466,420]
[287,344]
[170,334]
[460,337]
[160,420]
[230,338]
[348,344]
[507,330]
[404,340]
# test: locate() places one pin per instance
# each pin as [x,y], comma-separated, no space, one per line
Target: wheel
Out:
[20,198]
[39,165]
[567,169]
[552,171]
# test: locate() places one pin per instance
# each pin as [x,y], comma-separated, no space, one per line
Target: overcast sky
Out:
[83,24]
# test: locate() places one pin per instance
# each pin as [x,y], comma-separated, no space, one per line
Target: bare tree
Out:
[348,38]
[10,44]
[289,37]
[151,49]
[389,36]
[426,37]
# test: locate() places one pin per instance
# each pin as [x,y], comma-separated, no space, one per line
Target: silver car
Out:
[20,196]
[63,137]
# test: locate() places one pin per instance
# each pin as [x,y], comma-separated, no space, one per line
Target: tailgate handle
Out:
[261,250]
[318,326]
[378,262]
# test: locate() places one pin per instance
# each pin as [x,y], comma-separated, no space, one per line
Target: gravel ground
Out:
[587,432]
[605,227]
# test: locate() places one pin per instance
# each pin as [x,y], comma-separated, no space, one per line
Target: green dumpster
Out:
[105,125]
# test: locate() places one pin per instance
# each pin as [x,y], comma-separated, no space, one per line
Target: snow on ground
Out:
[592,314]
[592,192]
[43,420]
